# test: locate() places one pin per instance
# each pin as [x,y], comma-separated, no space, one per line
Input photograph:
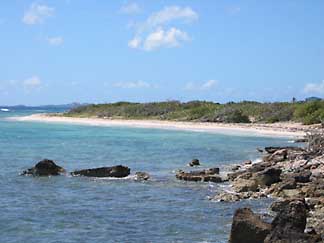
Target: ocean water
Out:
[76,209]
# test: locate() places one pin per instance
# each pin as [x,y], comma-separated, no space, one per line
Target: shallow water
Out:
[75,209]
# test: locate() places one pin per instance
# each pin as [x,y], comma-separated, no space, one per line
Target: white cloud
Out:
[28,85]
[135,43]
[203,86]
[171,38]
[155,32]
[209,84]
[130,8]
[55,40]
[133,85]
[314,88]
[32,83]
[171,13]
[37,13]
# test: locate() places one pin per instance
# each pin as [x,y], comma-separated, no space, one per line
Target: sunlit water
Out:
[75,209]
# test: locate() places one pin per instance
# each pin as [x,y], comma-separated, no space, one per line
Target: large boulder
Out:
[268,176]
[248,227]
[289,225]
[245,185]
[118,171]
[278,156]
[45,167]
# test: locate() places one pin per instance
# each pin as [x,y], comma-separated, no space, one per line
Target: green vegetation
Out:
[310,112]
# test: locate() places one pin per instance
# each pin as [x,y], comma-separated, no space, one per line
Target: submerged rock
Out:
[248,227]
[194,162]
[142,176]
[117,171]
[200,175]
[45,167]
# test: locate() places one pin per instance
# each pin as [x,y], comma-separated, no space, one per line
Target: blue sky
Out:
[61,51]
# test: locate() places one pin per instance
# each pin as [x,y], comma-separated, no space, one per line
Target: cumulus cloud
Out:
[55,40]
[170,38]
[37,13]
[130,8]
[155,32]
[31,83]
[133,85]
[135,43]
[202,86]
[317,88]
[171,13]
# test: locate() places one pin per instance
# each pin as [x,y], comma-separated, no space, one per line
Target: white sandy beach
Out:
[276,129]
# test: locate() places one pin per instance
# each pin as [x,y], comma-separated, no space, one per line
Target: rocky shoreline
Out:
[293,176]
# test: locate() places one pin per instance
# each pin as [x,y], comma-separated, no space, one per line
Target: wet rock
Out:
[301,140]
[209,175]
[45,167]
[247,162]
[194,162]
[142,176]
[248,227]
[117,171]
[259,150]
[236,167]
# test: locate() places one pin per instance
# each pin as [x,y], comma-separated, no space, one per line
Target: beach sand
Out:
[282,129]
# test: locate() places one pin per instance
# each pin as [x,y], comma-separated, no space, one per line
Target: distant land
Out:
[45,107]
[309,111]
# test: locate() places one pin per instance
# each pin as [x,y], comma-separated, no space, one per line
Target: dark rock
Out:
[259,150]
[301,140]
[142,176]
[118,171]
[44,168]
[194,162]
[302,177]
[289,225]
[268,176]
[259,167]
[248,227]
[278,206]
[248,162]
[236,167]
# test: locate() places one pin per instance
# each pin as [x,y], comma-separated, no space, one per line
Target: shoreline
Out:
[287,129]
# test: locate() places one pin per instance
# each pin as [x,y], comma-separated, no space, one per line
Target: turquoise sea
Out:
[76,209]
